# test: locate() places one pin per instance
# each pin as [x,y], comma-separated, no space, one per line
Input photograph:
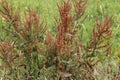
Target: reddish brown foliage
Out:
[102,30]
[80,6]
[65,20]
[7,10]
[101,34]
[7,53]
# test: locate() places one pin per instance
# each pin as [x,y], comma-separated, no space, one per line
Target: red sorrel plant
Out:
[59,57]
[27,31]
[7,54]
[10,59]
[100,38]
[65,44]
[80,6]
[99,44]
[64,33]
[62,30]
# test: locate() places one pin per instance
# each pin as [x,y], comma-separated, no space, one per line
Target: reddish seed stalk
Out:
[80,6]
[101,32]
[66,19]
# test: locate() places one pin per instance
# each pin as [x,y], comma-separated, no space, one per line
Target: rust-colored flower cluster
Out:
[6,10]
[27,29]
[65,20]
[7,53]
[102,30]
[101,34]
[64,40]
[65,29]
[80,6]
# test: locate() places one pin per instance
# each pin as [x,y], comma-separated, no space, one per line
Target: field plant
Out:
[30,51]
